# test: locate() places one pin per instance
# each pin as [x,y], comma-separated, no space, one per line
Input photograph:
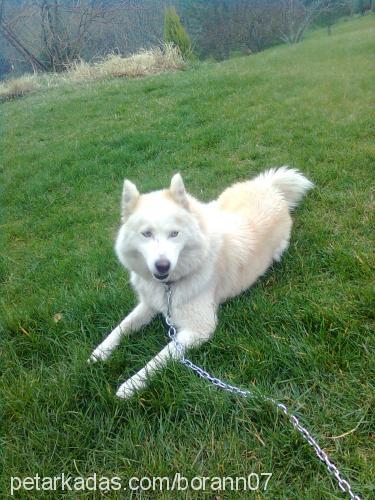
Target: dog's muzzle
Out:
[162,267]
[161,277]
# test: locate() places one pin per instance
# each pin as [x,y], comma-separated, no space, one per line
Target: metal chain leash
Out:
[321,454]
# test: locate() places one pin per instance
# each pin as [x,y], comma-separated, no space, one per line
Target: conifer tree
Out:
[175,33]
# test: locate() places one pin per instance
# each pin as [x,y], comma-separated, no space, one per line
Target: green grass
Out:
[302,334]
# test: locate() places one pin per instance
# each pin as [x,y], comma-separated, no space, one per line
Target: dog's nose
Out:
[162,266]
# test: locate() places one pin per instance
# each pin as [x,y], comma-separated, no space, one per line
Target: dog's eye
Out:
[173,234]
[147,234]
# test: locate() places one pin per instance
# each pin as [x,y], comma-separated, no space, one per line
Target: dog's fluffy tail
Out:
[291,183]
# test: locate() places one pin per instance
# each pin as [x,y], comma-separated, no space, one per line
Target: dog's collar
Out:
[168,284]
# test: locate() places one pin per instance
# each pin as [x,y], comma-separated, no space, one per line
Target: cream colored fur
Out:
[221,248]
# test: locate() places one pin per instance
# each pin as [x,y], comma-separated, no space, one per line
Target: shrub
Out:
[175,33]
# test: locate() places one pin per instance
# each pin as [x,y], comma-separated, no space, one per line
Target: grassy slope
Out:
[302,334]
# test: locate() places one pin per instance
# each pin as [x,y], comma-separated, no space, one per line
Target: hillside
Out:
[302,334]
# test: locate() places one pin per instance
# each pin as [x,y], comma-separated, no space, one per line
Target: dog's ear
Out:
[129,199]
[178,191]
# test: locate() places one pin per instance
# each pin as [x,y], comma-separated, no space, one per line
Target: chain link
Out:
[321,454]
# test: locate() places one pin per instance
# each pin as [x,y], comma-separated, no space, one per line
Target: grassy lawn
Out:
[302,334]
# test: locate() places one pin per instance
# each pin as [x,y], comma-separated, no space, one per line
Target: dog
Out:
[206,252]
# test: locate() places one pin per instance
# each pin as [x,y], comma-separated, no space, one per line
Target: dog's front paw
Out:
[126,391]
[99,355]
[130,387]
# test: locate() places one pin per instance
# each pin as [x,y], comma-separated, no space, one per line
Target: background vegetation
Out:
[303,334]
[50,35]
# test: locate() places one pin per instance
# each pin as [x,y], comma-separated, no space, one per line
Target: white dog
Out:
[205,252]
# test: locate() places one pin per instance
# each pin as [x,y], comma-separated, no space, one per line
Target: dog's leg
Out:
[198,321]
[279,252]
[138,381]
[140,316]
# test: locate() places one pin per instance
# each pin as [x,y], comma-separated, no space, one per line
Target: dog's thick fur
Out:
[212,251]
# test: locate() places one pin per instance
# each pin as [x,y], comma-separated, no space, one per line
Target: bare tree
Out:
[7,29]
[221,27]
[66,27]
[51,34]
[295,16]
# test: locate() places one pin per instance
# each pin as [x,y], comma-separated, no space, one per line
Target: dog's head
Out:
[160,236]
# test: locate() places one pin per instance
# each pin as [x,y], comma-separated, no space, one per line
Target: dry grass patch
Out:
[16,87]
[146,62]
